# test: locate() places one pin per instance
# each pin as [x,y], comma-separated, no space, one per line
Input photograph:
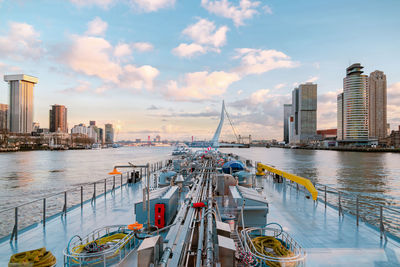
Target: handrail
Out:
[297,179]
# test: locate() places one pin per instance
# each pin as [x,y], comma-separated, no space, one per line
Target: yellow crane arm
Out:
[297,179]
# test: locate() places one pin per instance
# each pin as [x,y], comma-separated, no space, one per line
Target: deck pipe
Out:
[172,234]
[210,254]
[201,237]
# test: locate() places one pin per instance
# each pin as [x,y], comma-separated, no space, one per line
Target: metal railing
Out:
[39,211]
[384,218]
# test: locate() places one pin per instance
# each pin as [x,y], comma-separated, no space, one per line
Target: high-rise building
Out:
[109,133]
[287,111]
[79,129]
[3,117]
[101,136]
[340,119]
[355,104]
[58,119]
[92,123]
[304,111]
[377,96]
[20,115]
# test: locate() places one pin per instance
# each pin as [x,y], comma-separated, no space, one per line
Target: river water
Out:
[26,176]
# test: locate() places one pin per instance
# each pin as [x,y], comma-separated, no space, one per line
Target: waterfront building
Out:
[101,136]
[92,123]
[340,119]
[79,129]
[291,129]
[58,119]
[328,133]
[109,133]
[355,105]
[92,133]
[20,115]
[377,99]
[393,140]
[388,129]
[35,126]
[304,111]
[158,139]
[3,117]
[287,111]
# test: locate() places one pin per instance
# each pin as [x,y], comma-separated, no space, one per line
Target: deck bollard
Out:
[81,197]
[44,212]
[357,211]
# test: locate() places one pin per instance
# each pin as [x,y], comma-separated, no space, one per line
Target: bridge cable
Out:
[233,128]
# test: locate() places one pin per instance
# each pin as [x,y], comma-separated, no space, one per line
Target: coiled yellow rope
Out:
[36,258]
[271,247]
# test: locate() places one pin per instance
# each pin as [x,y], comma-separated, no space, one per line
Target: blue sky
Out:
[164,66]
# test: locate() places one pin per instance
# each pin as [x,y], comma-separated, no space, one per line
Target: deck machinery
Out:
[202,227]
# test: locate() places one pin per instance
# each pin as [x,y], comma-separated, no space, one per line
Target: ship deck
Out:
[327,239]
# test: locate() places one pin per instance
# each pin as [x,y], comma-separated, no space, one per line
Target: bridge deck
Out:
[328,240]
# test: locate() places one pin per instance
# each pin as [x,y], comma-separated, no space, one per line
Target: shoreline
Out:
[348,149]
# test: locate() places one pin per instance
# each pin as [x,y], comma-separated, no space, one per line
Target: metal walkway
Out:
[328,239]
[109,210]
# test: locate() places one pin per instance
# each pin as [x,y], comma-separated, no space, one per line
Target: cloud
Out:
[5,68]
[153,107]
[97,27]
[83,86]
[201,85]
[188,50]
[205,36]
[21,42]
[267,9]
[312,79]
[210,113]
[280,85]
[143,46]
[122,50]
[95,56]
[327,110]
[245,10]
[206,33]
[257,61]
[393,105]
[151,5]
[100,3]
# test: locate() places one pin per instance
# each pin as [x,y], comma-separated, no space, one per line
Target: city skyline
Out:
[108,63]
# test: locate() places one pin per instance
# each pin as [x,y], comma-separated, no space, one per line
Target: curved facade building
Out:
[355,104]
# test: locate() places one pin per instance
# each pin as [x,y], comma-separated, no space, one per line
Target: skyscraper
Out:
[355,104]
[20,113]
[377,93]
[340,119]
[3,117]
[58,119]
[109,133]
[287,111]
[304,111]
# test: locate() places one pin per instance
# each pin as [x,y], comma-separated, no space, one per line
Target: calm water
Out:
[25,176]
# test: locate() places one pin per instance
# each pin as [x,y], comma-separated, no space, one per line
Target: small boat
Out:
[181,149]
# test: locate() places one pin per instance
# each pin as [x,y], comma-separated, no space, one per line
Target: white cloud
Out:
[267,9]
[280,85]
[393,105]
[257,61]
[151,5]
[326,111]
[188,50]
[21,42]
[200,85]
[205,32]
[97,27]
[122,50]
[82,86]
[245,10]
[95,56]
[101,3]
[259,96]
[205,36]
[312,79]
[143,46]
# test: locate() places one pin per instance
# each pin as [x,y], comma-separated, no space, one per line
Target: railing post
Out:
[105,187]
[340,204]
[357,210]
[121,181]
[14,234]
[113,188]
[325,196]
[94,192]
[382,227]
[44,212]
[81,197]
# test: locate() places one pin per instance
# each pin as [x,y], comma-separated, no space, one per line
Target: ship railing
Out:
[112,255]
[33,213]
[376,214]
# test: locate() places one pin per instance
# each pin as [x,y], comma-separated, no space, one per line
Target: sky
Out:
[163,67]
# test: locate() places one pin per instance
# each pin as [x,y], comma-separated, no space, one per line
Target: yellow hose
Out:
[35,258]
[101,241]
[264,243]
